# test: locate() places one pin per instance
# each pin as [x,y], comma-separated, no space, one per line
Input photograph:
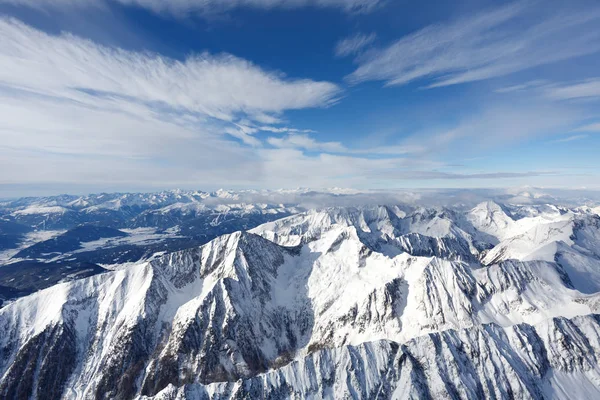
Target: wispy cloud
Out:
[570,138]
[282,166]
[458,176]
[183,7]
[353,44]
[497,125]
[274,129]
[534,84]
[494,43]
[391,150]
[73,111]
[595,127]
[68,69]
[306,142]
[301,141]
[586,89]
[221,87]
[76,111]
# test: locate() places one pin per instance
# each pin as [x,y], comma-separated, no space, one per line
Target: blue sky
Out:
[106,95]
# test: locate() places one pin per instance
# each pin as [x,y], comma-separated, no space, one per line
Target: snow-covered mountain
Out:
[495,301]
[131,210]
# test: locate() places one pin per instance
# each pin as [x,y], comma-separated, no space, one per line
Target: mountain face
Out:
[497,301]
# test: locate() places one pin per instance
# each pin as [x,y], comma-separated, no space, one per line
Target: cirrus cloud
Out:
[587,89]
[490,44]
[353,44]
[183,7]
[75,111]
[301,141]
[220,86]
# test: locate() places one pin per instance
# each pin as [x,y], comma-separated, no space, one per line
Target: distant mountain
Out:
[108,229]
[132,210]
[388,302]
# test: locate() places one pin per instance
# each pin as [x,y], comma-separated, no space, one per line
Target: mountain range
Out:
[498,300]
[46,240]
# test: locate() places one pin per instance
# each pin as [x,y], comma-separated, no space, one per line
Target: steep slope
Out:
[124,311]
[554,359]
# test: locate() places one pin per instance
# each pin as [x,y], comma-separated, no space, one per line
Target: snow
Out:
[346,302]
[137,236]
[564,385]
[30,239]
[533,239]
[41,210]
[34,313]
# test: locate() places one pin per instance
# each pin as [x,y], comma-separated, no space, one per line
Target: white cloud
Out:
[534,84]
[73,111]
[391,150]
[353,44]
[182,7]
[497,126]
[220,87]
[571,138]
[70,72]
[305,142]
[301,141]
[42,140]
[589,128]
[586,89]
[284,129]
[291,168]
[244,135]
[490,44]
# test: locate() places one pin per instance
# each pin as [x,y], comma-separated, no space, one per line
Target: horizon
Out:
[317,198]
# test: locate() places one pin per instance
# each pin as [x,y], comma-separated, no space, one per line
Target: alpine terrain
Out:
[47,240]
[498,301]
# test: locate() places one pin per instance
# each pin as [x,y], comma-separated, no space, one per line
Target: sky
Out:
[144,95]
